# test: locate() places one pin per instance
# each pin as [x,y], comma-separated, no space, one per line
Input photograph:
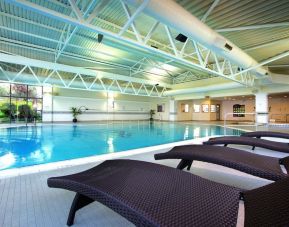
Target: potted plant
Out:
[152,112]
[75,112]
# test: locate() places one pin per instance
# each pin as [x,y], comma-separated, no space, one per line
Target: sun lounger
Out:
[254,142]
[270,134]
[260,134]
[254,164]
[149,194]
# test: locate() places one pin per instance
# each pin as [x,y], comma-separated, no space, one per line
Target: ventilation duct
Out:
[190,26]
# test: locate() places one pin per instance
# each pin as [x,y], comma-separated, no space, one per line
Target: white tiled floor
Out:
[26,200]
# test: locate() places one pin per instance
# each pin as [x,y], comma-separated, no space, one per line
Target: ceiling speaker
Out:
[99,38]
[182,38]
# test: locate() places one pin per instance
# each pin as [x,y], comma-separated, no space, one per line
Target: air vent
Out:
[228,47]
[182,38]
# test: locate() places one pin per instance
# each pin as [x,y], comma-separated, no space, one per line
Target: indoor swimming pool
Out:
[33,145]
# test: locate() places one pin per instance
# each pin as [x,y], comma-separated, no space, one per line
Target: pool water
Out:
[32,145]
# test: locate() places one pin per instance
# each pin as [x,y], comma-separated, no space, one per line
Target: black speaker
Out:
[99,37]
[182,38]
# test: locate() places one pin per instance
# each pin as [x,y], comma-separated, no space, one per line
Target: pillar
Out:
[173,110]
[47,104]
[261,108]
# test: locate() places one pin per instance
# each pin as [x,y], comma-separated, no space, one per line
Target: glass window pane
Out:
[36,104]
[6,110]
[4,89]
[18,90]
[22,110]
[34,91]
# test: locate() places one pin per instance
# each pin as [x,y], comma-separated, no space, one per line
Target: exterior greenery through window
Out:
[20,103]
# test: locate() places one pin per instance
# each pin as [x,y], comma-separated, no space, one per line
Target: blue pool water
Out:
[32,145]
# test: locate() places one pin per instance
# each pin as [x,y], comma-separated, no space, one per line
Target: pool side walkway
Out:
[25,200]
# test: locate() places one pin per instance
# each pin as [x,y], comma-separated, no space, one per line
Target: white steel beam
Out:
[253,27]
[215,3]
[264,45]
[97,10]
[151,31]
[131,18]
[169,34]
[58,16]
[200,58]
[65,82]
[76,10]
[275,58]
[71,34]
[57,41]
[130,21]
[72,69]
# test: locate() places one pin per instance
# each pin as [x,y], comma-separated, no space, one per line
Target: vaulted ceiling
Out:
[103,36]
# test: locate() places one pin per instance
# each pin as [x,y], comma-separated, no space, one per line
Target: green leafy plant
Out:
[75,112]
[8,110]
[152,113]
[25,112]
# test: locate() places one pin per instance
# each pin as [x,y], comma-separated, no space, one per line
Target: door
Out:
[218,112]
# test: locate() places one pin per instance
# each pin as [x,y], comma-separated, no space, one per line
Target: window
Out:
[4,89]
[161,108]
[213,108]
[20,102]
[205,108]
[196,108]
[238,110]
[185,108]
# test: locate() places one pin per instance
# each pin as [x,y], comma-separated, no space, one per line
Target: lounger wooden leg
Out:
[185,163]
[253,148]
[225,145]
[78,202]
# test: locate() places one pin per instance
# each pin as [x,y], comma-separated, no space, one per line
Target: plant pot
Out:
[74,120]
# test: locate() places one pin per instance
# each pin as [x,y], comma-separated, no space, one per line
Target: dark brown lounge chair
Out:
[260,134]
[254,164]
[254,142]
[149,194]
[270,134]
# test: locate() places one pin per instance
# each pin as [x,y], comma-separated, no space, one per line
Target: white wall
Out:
[227,107]
[101,106]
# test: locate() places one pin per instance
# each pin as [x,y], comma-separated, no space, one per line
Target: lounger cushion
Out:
[267,144]
[149,194]
[258,165]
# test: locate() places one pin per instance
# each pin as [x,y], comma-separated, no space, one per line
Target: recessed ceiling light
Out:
[270,97]
[243,96]
[250,98]
[285,96]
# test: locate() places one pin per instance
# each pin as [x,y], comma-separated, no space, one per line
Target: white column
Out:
[173,110]
[261,103]
[47,104]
